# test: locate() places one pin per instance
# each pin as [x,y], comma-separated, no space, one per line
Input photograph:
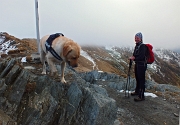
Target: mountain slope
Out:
[165,69]
[111,59]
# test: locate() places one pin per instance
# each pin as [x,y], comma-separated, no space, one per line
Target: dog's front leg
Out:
[63,65]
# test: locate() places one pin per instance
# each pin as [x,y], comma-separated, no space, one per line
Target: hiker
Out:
[140,67]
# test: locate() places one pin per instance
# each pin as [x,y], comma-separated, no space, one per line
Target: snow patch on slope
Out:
[6,46]
[167,55]
[87,56]
[116,55]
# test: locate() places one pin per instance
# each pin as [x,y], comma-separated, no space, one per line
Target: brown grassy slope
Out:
[104,61]
[170,72]
[25,46]
[84,65]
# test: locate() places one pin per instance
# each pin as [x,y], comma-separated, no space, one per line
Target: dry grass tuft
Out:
[30,87]
[14,51]
[28,58]
[4,55]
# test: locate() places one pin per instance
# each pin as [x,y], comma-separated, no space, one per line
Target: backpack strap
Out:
[52,38]
[53,52]
[140,45]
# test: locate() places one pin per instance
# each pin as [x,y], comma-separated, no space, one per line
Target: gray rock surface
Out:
[35,99]
[119,83]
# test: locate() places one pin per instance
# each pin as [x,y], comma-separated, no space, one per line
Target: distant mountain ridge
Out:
[165,69]
[177,50]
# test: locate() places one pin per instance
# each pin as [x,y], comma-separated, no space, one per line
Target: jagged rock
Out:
[12,75]
[2,86]
[8,68]
[95,75]
[115,81]
[119,83]
[41,100]
[100,105]
[5,119]
[161,87]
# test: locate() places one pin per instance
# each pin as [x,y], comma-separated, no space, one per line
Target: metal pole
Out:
[37,25]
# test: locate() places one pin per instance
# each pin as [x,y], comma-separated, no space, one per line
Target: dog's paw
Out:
[43,73]
[63,81]
[54,74]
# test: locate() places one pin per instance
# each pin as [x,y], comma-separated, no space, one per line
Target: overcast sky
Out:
[102,22]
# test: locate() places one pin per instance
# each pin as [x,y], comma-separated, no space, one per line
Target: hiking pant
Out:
[140,70]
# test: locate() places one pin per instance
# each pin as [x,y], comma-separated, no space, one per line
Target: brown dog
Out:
[66,48]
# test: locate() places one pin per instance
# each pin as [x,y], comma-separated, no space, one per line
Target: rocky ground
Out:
[152,111]
[161,110]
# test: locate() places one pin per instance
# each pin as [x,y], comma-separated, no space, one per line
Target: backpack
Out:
[149,54]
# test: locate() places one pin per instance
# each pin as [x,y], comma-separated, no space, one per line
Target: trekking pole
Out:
[128,79]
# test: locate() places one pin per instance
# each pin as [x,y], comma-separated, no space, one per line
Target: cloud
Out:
[100,22]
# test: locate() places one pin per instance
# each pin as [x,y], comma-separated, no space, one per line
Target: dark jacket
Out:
[140,53]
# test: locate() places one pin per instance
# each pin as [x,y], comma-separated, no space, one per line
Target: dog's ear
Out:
[66,49]
[79,49]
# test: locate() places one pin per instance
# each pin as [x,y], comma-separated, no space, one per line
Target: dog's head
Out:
[71,52]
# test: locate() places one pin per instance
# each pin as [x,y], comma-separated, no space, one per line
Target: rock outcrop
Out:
[118,82]
[35,99]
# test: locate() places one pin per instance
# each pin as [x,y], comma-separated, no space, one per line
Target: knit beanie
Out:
[139,35]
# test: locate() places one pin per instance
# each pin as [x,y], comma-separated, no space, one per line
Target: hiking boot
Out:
[134,93]
[139,99]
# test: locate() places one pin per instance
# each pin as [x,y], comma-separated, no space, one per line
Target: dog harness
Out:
[48,45]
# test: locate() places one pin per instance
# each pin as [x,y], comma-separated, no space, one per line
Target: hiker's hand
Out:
[132,58]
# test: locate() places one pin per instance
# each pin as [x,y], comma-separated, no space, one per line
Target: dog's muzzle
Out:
[73,65]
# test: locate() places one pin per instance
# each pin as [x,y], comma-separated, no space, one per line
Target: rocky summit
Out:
[34,99]
[94,93]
